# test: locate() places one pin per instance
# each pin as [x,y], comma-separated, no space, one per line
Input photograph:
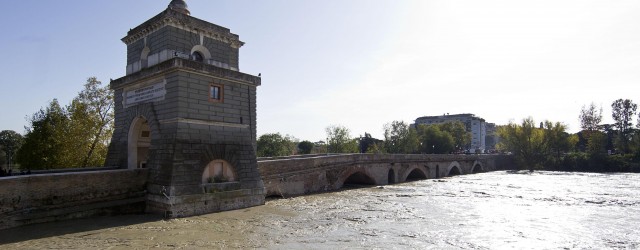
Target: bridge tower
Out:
[186,112]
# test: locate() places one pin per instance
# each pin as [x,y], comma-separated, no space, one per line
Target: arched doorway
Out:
[391,177]
[138,143]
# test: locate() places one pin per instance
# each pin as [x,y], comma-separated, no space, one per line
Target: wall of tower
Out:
[177,39]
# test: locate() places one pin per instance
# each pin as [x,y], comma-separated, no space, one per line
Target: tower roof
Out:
[179,6]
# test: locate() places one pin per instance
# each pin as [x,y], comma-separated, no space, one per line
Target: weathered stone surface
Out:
[189,129]
[50,197]
[302,175]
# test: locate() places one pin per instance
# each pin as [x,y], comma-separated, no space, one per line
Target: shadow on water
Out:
[60,228]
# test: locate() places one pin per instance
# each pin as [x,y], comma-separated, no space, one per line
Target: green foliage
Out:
[400,138]
[10,142]
[340,141]
[44,142]
[590,117]
[457,129]
[367,142]
[525,141]
[435,141]
[274,144]
[75,136]
[622,113]
[556,141]
[305,147]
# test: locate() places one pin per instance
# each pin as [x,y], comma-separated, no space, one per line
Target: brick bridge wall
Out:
[58,196]
[290,176]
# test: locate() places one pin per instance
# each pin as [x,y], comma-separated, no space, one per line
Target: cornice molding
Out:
[179,20]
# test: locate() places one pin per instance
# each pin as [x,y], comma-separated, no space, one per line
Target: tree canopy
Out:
[339,140]
[275,144]
[10,142]
[73,136]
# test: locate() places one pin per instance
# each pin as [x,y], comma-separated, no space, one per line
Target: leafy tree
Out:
[367,142]
[525,141]
[557,140]
[590,117]
[457,129]
[340,141]
[622,113]
[92,119]
[400,138]
[274,144]
[75,136]
[305,147]
[10,142]
[43,146]
[435,141]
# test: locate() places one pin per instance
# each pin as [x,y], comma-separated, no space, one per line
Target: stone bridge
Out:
[291,176]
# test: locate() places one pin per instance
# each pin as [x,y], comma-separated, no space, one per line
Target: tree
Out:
[75,136]
[367,142]
[457,129]
[274,144]
[340,141]
[557,140]
[590,117]
[525,141]
[92,119]
[435,141]
[10,142]
[305,147]
[622,113]
[43,146]
[400,138]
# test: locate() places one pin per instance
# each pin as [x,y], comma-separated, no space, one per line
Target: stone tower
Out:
[186,112]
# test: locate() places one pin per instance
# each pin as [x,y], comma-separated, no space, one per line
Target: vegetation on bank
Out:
[78,135]
[73,136]
[597,148]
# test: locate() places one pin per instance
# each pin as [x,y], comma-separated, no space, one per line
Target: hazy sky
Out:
[358,63]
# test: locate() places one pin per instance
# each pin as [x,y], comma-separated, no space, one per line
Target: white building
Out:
[476,125]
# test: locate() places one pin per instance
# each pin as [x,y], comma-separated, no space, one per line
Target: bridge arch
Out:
[454,169]
[416,173]
[218,171]
[358,177]
[477,167]
[391,176]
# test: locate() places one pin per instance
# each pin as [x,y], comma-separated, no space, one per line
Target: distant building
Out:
[492,138]
[476,125]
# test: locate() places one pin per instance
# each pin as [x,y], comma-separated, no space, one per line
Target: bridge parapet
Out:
[301,175]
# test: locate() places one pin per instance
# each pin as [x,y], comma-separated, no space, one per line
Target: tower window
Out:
[197,56]
[216,93]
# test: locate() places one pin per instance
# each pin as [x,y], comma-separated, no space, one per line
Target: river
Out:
[496,210]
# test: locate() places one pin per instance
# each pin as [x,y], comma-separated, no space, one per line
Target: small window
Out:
[216,93]
[197,56]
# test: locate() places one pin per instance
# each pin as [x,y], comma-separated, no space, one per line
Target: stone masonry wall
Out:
[51,197]
[172,38]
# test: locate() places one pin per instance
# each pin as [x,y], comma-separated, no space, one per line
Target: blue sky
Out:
[358,63]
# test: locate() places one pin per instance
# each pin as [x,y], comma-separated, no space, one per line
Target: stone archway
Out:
[455,170]
[416,174]
[139,142]
[477,168]
[218,171]
[391,177]
[358,178]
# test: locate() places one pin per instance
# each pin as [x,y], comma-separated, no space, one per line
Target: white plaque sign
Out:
[145,94]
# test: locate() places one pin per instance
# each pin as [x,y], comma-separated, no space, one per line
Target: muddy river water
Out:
[497,210]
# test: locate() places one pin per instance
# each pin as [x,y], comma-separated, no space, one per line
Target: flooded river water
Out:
[497,210]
